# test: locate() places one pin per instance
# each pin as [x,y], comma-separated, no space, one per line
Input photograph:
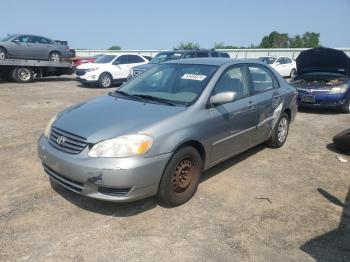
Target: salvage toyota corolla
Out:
[157,133]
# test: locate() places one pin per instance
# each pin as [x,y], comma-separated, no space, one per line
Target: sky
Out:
[163,24]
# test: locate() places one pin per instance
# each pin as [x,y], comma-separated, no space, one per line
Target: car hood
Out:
[143,67]
[108,117]
[89,65]
[323,60]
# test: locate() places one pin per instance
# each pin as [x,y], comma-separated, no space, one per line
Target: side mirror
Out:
[222,98]
[16,41]
[277,63]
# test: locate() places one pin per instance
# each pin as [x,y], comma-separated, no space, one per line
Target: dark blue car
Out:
[323,79]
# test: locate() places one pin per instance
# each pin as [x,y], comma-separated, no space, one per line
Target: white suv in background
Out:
[107,69]
[285,66]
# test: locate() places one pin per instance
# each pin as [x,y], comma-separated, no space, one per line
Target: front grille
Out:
[114,191]
[80,72]
[66,141]
[65,181]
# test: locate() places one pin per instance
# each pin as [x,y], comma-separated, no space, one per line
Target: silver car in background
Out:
[156,134]
[32,47]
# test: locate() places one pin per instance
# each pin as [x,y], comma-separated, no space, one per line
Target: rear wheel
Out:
[22,74]
[55,57]
[3,53]
[105,80]
[346,107]
[181,177]
[280,133]
[293,73]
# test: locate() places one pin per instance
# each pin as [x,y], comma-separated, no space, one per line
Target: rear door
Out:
[268,99]
[234,122]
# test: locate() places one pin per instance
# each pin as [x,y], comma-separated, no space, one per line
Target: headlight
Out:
[339,89]
[91,69]
[122,146]
[49,125]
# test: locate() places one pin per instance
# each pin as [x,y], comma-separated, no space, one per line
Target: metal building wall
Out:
[234,53]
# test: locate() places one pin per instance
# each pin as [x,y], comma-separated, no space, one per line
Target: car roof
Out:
[213,61]
[188,51]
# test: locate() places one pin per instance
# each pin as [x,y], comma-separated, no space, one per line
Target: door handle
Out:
[251,104]
[276,95]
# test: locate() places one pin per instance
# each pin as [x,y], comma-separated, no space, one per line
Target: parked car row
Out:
[108,69]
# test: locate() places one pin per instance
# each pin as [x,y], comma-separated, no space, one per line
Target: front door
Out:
[234,122]
[121,67]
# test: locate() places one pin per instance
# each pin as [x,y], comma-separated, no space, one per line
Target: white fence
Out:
[234,53]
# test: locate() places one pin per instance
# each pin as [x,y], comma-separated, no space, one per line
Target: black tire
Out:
[55,57]
[346,107]
[105,80]
[293,73]
[181,177]
[278,139]
[3,53]
[22,74]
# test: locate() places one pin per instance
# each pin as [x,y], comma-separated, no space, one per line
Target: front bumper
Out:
[322,100]
[111,179]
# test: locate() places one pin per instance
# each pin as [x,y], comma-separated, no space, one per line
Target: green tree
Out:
[275,40]
[311,39]
[115,47]
[221,45]
[187,46]
[296,42]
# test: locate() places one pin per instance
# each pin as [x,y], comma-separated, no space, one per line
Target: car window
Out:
[233,80]
[121,60]
[287,60]
[279,60]
[104,59]
[203,54]
[215,54]
[226,55]
[190,55]
[132,59]
[262,79]
[22,39]
[43,40]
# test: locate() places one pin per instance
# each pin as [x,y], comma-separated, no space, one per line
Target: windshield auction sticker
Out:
[194,77]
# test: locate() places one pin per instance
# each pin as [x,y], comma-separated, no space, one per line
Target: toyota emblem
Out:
[61,140]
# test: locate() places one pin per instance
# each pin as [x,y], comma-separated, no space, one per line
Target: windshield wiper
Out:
[157,99]
[125,94]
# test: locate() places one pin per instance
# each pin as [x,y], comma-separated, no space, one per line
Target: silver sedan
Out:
[157,133]
[32,47]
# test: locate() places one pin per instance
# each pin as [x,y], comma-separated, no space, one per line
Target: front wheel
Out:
[346,107]
[55,57]
[181,177]
[293,73]
[280,132]
[105,80]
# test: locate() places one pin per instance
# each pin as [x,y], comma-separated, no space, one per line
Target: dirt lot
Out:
[263,205]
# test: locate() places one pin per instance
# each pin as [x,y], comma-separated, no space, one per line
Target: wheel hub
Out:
[282,129]
[183,175]
[24,74]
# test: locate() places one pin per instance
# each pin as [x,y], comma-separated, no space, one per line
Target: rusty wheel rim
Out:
[183,175]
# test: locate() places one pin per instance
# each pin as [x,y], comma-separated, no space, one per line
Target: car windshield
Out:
[163,57]
[104,59]
[6,38]
[268,60]
[176,83]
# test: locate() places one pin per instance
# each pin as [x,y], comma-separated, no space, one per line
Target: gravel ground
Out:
[287,204]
